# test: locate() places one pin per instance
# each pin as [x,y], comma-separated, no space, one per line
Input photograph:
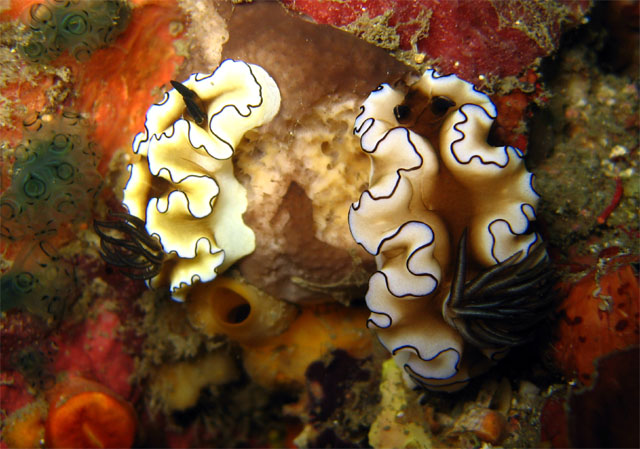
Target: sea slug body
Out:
[434,182]
[182,182]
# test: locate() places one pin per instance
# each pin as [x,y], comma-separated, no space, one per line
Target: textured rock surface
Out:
[489,38]
[304,168]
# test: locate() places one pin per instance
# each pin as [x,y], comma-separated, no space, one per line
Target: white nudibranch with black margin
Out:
[182,185]
[437,185]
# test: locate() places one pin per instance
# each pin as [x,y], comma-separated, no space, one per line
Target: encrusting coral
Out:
[54,185]
[54,179]
[40,282]
[435,181]
[182,183]
[78,26]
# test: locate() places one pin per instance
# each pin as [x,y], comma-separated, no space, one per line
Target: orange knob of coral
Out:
[90,419]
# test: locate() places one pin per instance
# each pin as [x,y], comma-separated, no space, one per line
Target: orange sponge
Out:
[84,414]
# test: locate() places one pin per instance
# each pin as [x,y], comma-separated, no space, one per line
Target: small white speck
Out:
[627,173]
[618,151]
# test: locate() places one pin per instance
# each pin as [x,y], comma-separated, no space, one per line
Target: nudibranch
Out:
[436,186]
[182,190]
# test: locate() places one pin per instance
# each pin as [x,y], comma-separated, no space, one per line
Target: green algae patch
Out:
[400,421]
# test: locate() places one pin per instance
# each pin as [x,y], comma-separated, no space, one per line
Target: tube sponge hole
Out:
[79,26]
[237,309]
[234,308]
[224,305]
[54,180]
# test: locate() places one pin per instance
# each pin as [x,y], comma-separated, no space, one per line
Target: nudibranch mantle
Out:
[435,181]
[182,182]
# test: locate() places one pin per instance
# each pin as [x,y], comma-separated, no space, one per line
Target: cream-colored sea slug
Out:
[436,186]
[185,205]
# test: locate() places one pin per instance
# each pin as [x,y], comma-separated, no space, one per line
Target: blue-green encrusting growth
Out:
[79,26]
[54,179]
[40,282]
